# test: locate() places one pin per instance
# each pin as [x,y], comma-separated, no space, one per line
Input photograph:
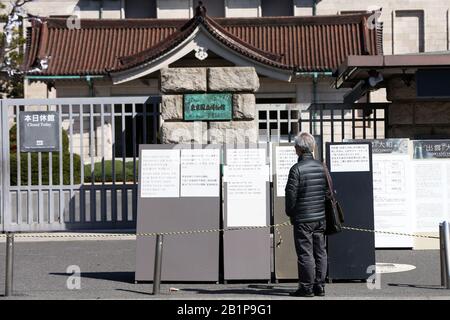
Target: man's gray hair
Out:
[305,142]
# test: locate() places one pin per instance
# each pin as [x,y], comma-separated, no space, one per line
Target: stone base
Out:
[183,132]
[234,132]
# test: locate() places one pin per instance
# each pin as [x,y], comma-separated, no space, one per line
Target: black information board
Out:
[351,253]
[39,131]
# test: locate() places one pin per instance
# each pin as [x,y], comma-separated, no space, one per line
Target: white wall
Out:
[174,9]
[405,31]
[242,8]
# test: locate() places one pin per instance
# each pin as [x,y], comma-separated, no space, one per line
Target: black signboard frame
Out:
[351,253]
[38,133]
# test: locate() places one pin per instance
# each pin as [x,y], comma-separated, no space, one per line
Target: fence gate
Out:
[91,183]
[328,122]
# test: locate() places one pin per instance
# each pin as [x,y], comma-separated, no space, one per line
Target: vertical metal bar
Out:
[447,253]
[5,166]
[61,172]
[386,122]
[82,191]
[134,140]
[40,196]
[321,129]
[103,214]
[158,264]
[278,126]
[50,184]
[144,121]
[9,270]
[124,180]
[113,165]
[156,120]
[82,142]
[442,254]
[72,202]
[268,133]
[18,167]
[343,122]
[134,190]
[353,122]
[332,122]
[375,123]
[312,110]
[30,207]
[300,121]
[289,124]
[92,193]
[124,150]
[364,122]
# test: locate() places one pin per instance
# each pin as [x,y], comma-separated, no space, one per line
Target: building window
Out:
[277,8]
[140,9]
[215,8]
[409,32]
[242,9]
[174,9]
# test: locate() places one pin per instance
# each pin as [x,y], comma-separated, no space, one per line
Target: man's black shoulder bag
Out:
[333,210]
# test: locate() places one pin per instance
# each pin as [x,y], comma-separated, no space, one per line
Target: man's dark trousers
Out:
[312,255]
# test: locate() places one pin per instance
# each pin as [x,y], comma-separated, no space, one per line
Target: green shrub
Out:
[129,176]
[45,172]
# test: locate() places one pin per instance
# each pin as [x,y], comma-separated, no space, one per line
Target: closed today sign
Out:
[39,131]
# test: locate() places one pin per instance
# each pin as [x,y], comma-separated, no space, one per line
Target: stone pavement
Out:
[107,272]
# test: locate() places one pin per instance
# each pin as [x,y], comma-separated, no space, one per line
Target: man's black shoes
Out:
[319,291]
[302,293]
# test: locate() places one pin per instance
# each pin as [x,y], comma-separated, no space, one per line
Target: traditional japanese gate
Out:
[91,183]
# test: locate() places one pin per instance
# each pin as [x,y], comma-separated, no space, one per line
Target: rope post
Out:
[158,264]
[9,264]
[444,233]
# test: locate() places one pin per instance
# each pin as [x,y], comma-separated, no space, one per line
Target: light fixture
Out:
[375,78]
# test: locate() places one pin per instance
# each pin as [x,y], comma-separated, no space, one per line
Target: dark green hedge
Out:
[108,171]
[45,164]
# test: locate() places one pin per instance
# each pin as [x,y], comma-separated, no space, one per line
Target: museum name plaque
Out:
[208,106]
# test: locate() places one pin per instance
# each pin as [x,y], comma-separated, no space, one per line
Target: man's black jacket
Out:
[305,190]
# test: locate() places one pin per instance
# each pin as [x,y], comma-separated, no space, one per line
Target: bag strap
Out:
[329,180]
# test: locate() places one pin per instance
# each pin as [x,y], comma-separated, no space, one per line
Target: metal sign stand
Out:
[9,264]
[444,235]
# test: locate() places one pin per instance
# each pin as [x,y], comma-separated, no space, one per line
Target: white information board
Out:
[393,201]
[431,171]
[349,158]
[246,175]
[285,158]
[160,176]
[200,172]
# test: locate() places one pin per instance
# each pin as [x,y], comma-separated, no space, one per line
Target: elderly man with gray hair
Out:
[306,189]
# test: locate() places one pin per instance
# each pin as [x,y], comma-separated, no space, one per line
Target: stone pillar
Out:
[241,82]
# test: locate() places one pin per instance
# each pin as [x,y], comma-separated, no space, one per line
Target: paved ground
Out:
[108,273]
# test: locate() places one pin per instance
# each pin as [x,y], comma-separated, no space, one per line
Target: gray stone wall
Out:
[242,82]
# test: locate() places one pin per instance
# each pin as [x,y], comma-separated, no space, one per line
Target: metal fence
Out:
[329,122]
[91,183]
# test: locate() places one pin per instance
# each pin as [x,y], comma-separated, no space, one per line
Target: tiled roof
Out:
[303,44]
